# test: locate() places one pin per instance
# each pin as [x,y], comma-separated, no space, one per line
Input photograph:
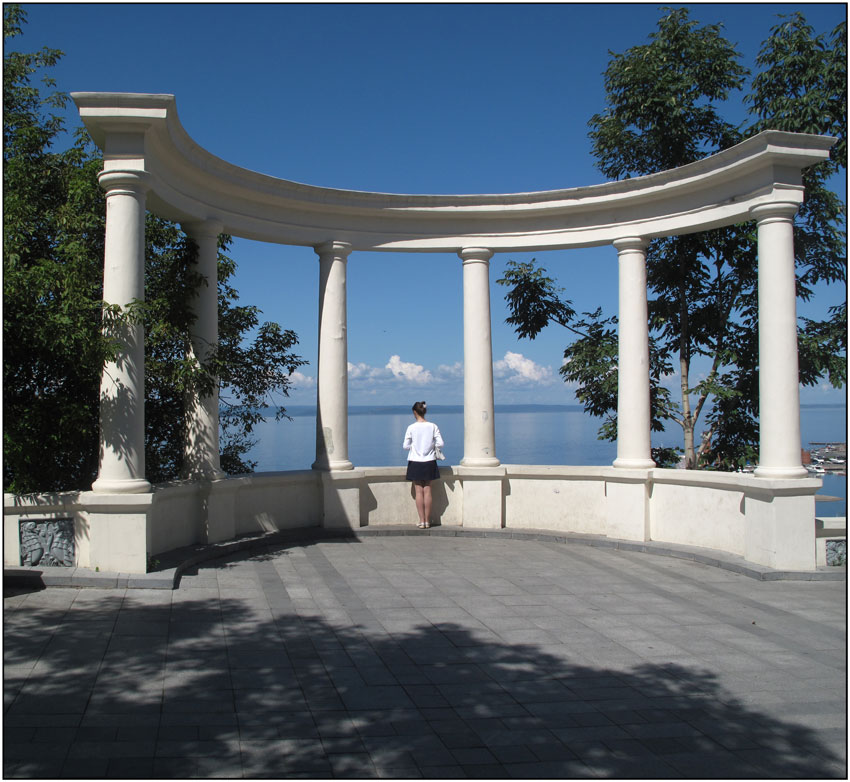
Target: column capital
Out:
[630,243]
[199,228]
[133,182]
[339,249]
[776,210]
[475,254]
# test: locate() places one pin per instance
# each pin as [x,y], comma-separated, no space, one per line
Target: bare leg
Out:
[419,488]
[426,503]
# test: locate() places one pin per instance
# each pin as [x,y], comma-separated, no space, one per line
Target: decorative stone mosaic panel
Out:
[836,552]
[47,542]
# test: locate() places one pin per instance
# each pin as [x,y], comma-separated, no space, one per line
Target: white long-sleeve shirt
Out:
[420,440]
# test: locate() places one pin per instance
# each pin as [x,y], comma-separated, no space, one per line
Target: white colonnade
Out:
[122,388]
[151,162]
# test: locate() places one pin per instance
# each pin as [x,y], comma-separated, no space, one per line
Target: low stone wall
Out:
[768,522]
[387,498]
[565,499]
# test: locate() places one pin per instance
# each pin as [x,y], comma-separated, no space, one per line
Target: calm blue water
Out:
[545,434]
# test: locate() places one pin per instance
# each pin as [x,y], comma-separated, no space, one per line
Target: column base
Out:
[483,461]
[633,464]
[781,472]
[333,466]
[121,486]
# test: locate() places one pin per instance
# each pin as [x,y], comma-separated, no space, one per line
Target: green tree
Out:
[663,111]
[801,87]
[53,344]
[52,243]
[249,372]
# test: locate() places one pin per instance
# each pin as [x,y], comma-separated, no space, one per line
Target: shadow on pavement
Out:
[241,686]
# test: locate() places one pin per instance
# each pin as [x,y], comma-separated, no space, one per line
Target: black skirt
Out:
[423,471]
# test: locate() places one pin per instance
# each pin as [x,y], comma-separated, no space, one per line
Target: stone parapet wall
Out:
[768,522]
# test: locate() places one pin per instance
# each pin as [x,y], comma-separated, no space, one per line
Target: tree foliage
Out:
[534,300]
[247,373]
[662,99]
[52,250]
[54,346]
[664,110]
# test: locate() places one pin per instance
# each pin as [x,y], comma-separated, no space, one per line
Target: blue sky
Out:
[398,98]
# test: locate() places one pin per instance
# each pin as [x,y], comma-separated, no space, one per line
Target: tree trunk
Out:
[687,417]
[684,367]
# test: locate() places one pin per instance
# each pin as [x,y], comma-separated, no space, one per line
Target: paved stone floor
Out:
[430,657]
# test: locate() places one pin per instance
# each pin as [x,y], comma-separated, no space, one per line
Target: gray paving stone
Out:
[550,769]
[221,702]
[486,771]
[715,765]
[129,768]
[32,768]
[111,749]
[636,662]
[409,772]
[174,768]
[513,753]
[197,748]
[54,735]
[18,735]
[215,719]
[662,730]
[46,703]
[352,765]
[473,756]
[90,768]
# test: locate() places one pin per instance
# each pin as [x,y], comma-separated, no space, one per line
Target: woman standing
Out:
[421,440]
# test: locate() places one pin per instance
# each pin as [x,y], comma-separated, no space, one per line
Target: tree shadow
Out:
[255,685]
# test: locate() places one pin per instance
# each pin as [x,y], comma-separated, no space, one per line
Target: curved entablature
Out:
[141,132]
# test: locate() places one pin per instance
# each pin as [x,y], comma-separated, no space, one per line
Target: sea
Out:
[525,434]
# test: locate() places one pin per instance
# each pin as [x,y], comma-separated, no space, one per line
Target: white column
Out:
[779,390]
[122,386]
[201,450]
[332,376]
[633,403]
[479,433]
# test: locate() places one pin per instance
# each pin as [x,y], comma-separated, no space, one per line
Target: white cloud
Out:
[513,369]
[300,380]
[363,371]
[407,370]
[450,372]
[516,368]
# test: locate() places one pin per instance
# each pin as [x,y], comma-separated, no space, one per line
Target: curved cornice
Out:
[143,132]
